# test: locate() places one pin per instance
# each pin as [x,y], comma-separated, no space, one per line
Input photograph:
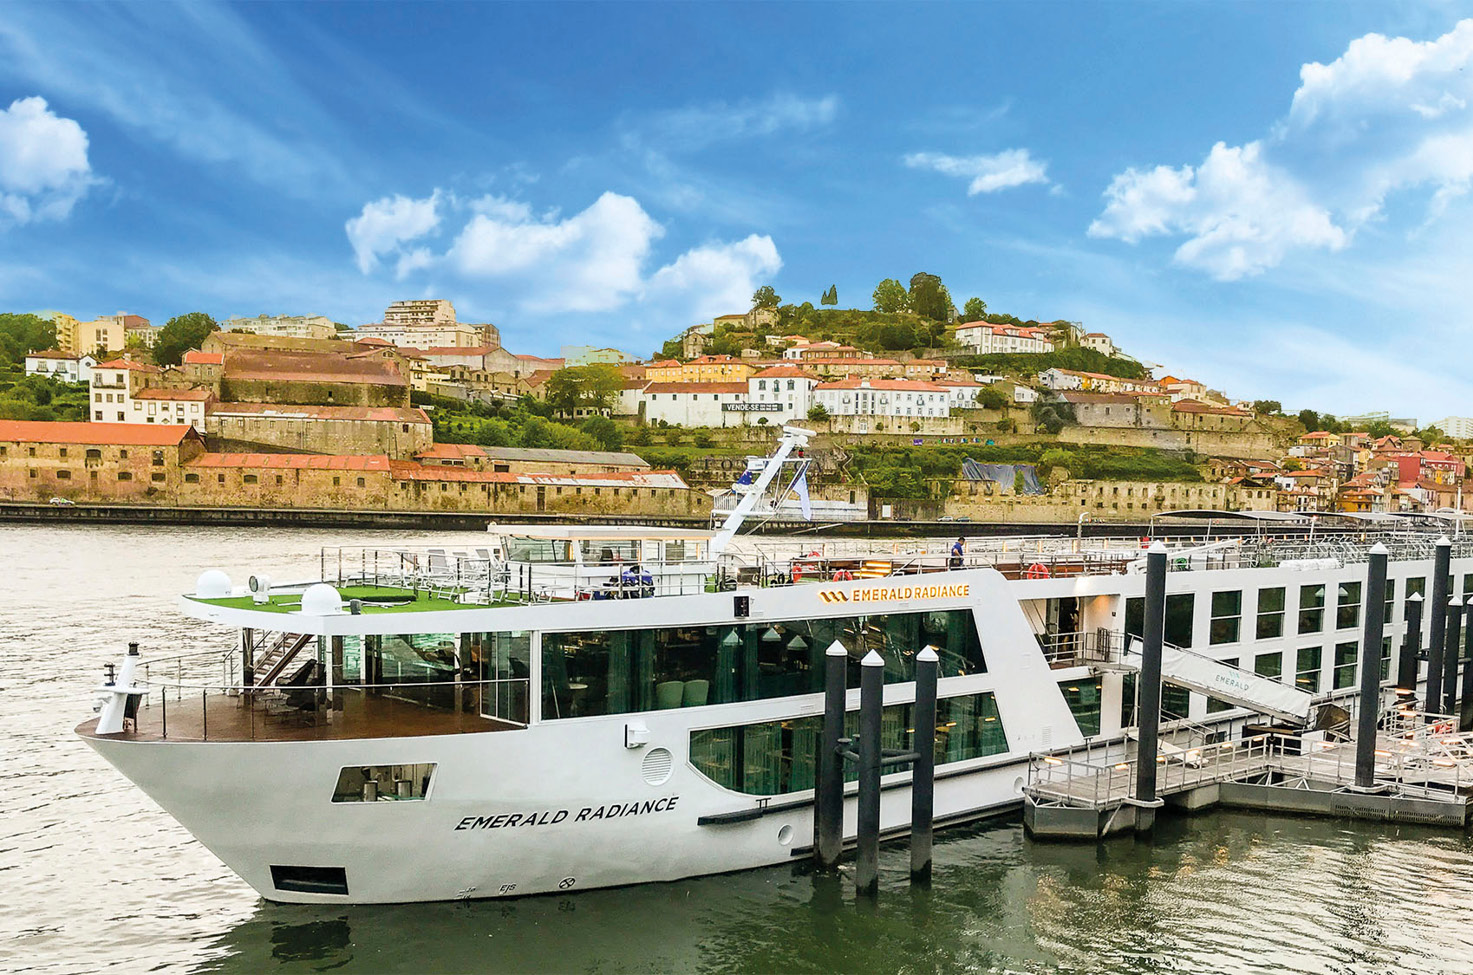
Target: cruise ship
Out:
[580,707]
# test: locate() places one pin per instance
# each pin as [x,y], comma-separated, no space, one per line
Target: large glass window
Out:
[1269,664]
[1347,606]
[1270,613]
[1345,654]
[1417,587]
[619,671]
[1388,612]
[1083,698]
[383,783]
[1178,618]
[1176,702]
[1311,608]
[1227,617]
[776,757]
[1307,669]
[1213,704]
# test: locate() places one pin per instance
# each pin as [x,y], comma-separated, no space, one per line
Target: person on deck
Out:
[958,551]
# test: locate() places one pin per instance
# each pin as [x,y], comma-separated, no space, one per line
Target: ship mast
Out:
[793,437]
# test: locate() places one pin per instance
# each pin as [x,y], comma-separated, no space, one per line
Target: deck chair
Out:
[669,694]
[696,693]
[873,569]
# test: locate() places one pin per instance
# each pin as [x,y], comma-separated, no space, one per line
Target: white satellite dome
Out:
[320,599]
[212,584]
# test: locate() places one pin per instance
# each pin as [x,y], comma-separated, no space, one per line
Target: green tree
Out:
[928,297]
[608,433]
[1271,407]
[818,413]
[765,297]
[20,334]
[702,439]
[1310,420]
[991,398]
[831,296]
[583,388]
[180,334]
[974,309]
[890,297]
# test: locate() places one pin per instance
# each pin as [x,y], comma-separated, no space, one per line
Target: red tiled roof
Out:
[275,365]
[321,462]
[127,364]
[123,434]
[884,384]
[458,350]
[1197,406]
[386,414]
[194,357]
[54,354]
[372,340]
[784,372]
[696,388]
[453,451]
[843,361]
[186,395]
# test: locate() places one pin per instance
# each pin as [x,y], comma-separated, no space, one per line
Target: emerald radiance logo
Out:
[890,594]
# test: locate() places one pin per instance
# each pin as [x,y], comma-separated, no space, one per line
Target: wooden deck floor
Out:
[220,717]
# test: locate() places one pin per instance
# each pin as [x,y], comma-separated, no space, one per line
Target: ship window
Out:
[1345,654]
[1307,669]
[1083,698]
[1347,606]
[1417,587]
[619,671]
[1388,612]
[310,880]
[1271,613]
[537,550]
[1227,617]
[383,783]
[777,757]
[1214,706]
[1311,608]
[1178,618]
[1176,702]
[1269,664]
[609,551]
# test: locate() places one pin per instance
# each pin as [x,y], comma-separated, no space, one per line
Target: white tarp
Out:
[1227,683]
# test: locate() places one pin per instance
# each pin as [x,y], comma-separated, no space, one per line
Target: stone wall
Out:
[83,472]
[282,432]
[315,393]
[1246,445]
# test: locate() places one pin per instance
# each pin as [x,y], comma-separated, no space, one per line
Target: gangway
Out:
[1205,675]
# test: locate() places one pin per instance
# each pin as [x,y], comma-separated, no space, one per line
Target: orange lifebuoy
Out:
[797,571]
[843,575]
[1037,571]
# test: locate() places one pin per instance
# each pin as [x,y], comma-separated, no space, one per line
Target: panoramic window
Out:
[1311,608]
[777,757]
[1178,618]
[1083,698]
[1347,606]
[1269,664]
[1345,654]
[1270,613]
[383,783]
[1227,617]
[1307,669]
[619,671]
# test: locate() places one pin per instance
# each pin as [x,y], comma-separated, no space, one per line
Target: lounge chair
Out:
[669,695]
[696,693]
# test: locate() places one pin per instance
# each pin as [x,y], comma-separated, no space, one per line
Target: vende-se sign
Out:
[752,407]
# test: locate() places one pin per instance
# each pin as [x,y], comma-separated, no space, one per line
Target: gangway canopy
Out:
[600,533]
[1203,674]
[1211,513]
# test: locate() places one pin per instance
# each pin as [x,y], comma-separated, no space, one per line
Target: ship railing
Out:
[195,666]
[190,711]
[1099,777]
[1080,648]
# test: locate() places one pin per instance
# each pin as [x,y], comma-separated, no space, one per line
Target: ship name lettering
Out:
[891,593]
[616,809]
[547,817]
[551,817]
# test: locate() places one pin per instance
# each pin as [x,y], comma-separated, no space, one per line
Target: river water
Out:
[95,877]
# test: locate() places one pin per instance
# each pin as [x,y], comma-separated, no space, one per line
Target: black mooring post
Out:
[828,817]
[923,772]
[1370,668]
[1437,623]
[1411,646]
[1450,655]
[871,706]
[1149,686]
[1465,704]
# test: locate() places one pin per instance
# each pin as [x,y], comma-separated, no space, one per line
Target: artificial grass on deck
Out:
[291,602]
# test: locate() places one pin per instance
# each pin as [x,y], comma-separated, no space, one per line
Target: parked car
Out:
[63,502]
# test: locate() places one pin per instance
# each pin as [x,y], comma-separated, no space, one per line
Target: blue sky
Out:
[1271,198]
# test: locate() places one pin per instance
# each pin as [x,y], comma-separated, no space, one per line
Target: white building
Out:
[428,336]
[963,392]
[1098,341]
[694,404]
[113,384]
[156,405]
[780,393]
[287,326]
[1457,427]
[65,367]
[422,312]
[883,397]
[986,338]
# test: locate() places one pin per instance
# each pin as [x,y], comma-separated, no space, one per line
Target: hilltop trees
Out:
[20,334]
[831,296]
[765,297]
[974,309]
[583,388]
[890,297]
[929,297]
[180,334]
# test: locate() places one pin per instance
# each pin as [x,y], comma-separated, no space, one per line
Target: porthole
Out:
[658,766]
[785,835]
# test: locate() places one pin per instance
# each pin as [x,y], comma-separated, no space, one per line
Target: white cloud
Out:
[43,162]
[1241,214]
[385,225]
[589,262]
[714,279]
[988,174]
[698,126]
[1389,115]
